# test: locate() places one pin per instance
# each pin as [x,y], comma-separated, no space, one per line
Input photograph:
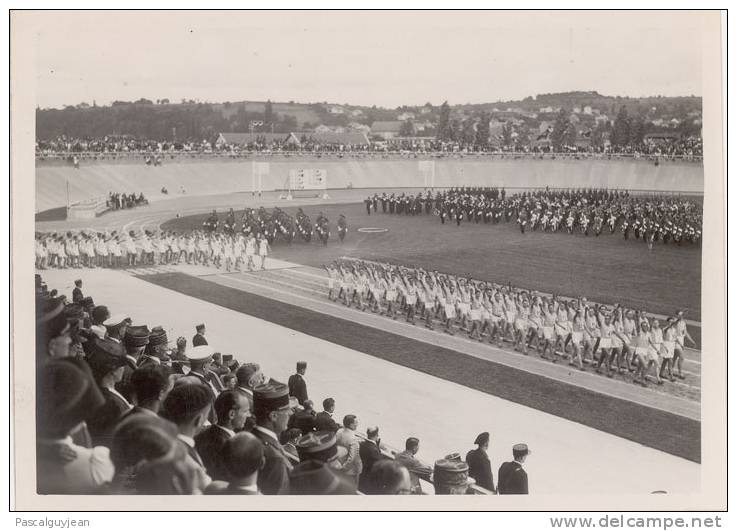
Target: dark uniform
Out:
[512,478]
[479,468]
[298,388]
[274,477]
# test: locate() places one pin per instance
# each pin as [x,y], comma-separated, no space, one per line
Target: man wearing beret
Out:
[297,385]
[479,466]
[272,411]
[512,477]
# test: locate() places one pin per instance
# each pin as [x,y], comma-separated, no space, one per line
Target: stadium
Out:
[405,378]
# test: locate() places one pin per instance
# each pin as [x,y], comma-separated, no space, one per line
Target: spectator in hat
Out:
[417,470]
[188,406]
[304,419]
[200,359]
[77,294]
[370,452]
[148,386]
[217,367]
[387,476]
[199,338]
[155,352]
[243,458]
[134,342]
[272,411]
[324,420]
[321,446]
[139,438]
[318,478]
[231,411]
[290,437]
[107,361]
[297,385]
[116,326]
[512,476]
[65,394]
[450,475]
[53,332]
[100,314]
[479,466]
[346,438]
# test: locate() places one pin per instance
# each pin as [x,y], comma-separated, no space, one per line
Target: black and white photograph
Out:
[475,259]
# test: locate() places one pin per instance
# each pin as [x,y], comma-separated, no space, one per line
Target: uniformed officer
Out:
[512,477]
[272,410]
[297,385]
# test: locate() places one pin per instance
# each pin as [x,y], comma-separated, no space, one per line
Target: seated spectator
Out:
[370,452]
[149,386]
[231,411]
[304,419]
[321,446]
[230,382]
[417,470]
[64,396]
[187,406]
[318,478]
[100,314]
[138,438]
[243,458]
[388,477]
[346,438]
[290,438]
[107,361]
[324,420]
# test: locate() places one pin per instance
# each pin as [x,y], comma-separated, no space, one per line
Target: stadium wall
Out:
[201,177]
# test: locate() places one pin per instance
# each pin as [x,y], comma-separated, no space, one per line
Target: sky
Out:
[362,58]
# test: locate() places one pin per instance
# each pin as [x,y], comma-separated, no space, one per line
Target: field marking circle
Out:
[372,229]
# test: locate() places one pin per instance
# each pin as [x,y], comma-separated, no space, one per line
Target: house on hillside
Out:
[242,139]
[588,110]
[386,129]
[577,110]
[406,116]
[356,113]
[356,126]
[336,109]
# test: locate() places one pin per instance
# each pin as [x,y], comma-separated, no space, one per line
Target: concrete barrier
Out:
[212,177]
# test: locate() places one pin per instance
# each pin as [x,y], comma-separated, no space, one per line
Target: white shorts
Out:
[605,342]
[411,299]
[576,338]
[391,295]
[511,316]
[667,349]
[548,333]
[475,315]
[521,324]
[450,311]
[464,307]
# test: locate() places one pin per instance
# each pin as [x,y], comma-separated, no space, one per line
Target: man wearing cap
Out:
[134,341]
[297,385]
[155,351]
[200,358]
[107,360]
[416,468]
[479,466]
[272,411]
[199,338]
[321,446]
[231,410]
[512,477]
[65,395]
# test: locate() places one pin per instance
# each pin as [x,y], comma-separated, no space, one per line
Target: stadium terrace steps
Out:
[95,178]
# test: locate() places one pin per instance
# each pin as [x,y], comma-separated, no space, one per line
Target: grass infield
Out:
[605,269]
[651,427]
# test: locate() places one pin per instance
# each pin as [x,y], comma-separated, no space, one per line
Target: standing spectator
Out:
[199,338]
[304,419]
[272,410]
[388,477]
[324,420]
[370,452]
[65,394]
[297,385]
[243,458]
[479,466]
[512,477]
[346,438]
[231,410]
[187,406]
[77,295]
[416,468]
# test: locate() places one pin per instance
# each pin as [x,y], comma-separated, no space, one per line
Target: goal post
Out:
[427,170]
[258,171]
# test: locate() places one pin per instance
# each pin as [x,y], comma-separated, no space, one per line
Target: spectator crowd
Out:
[121,411]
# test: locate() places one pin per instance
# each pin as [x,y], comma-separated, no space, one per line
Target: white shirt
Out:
[89,470]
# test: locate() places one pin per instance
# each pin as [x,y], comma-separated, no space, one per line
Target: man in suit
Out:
[107,361]
[232,410]
[346,438]
[370,452]
[304,419]
[416,468]
[479,466]
[148,388]
[297,385]
[77,295]
[512,477]
[324,420]
[187,406]
[272,410]
[199,338]
[243,458]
